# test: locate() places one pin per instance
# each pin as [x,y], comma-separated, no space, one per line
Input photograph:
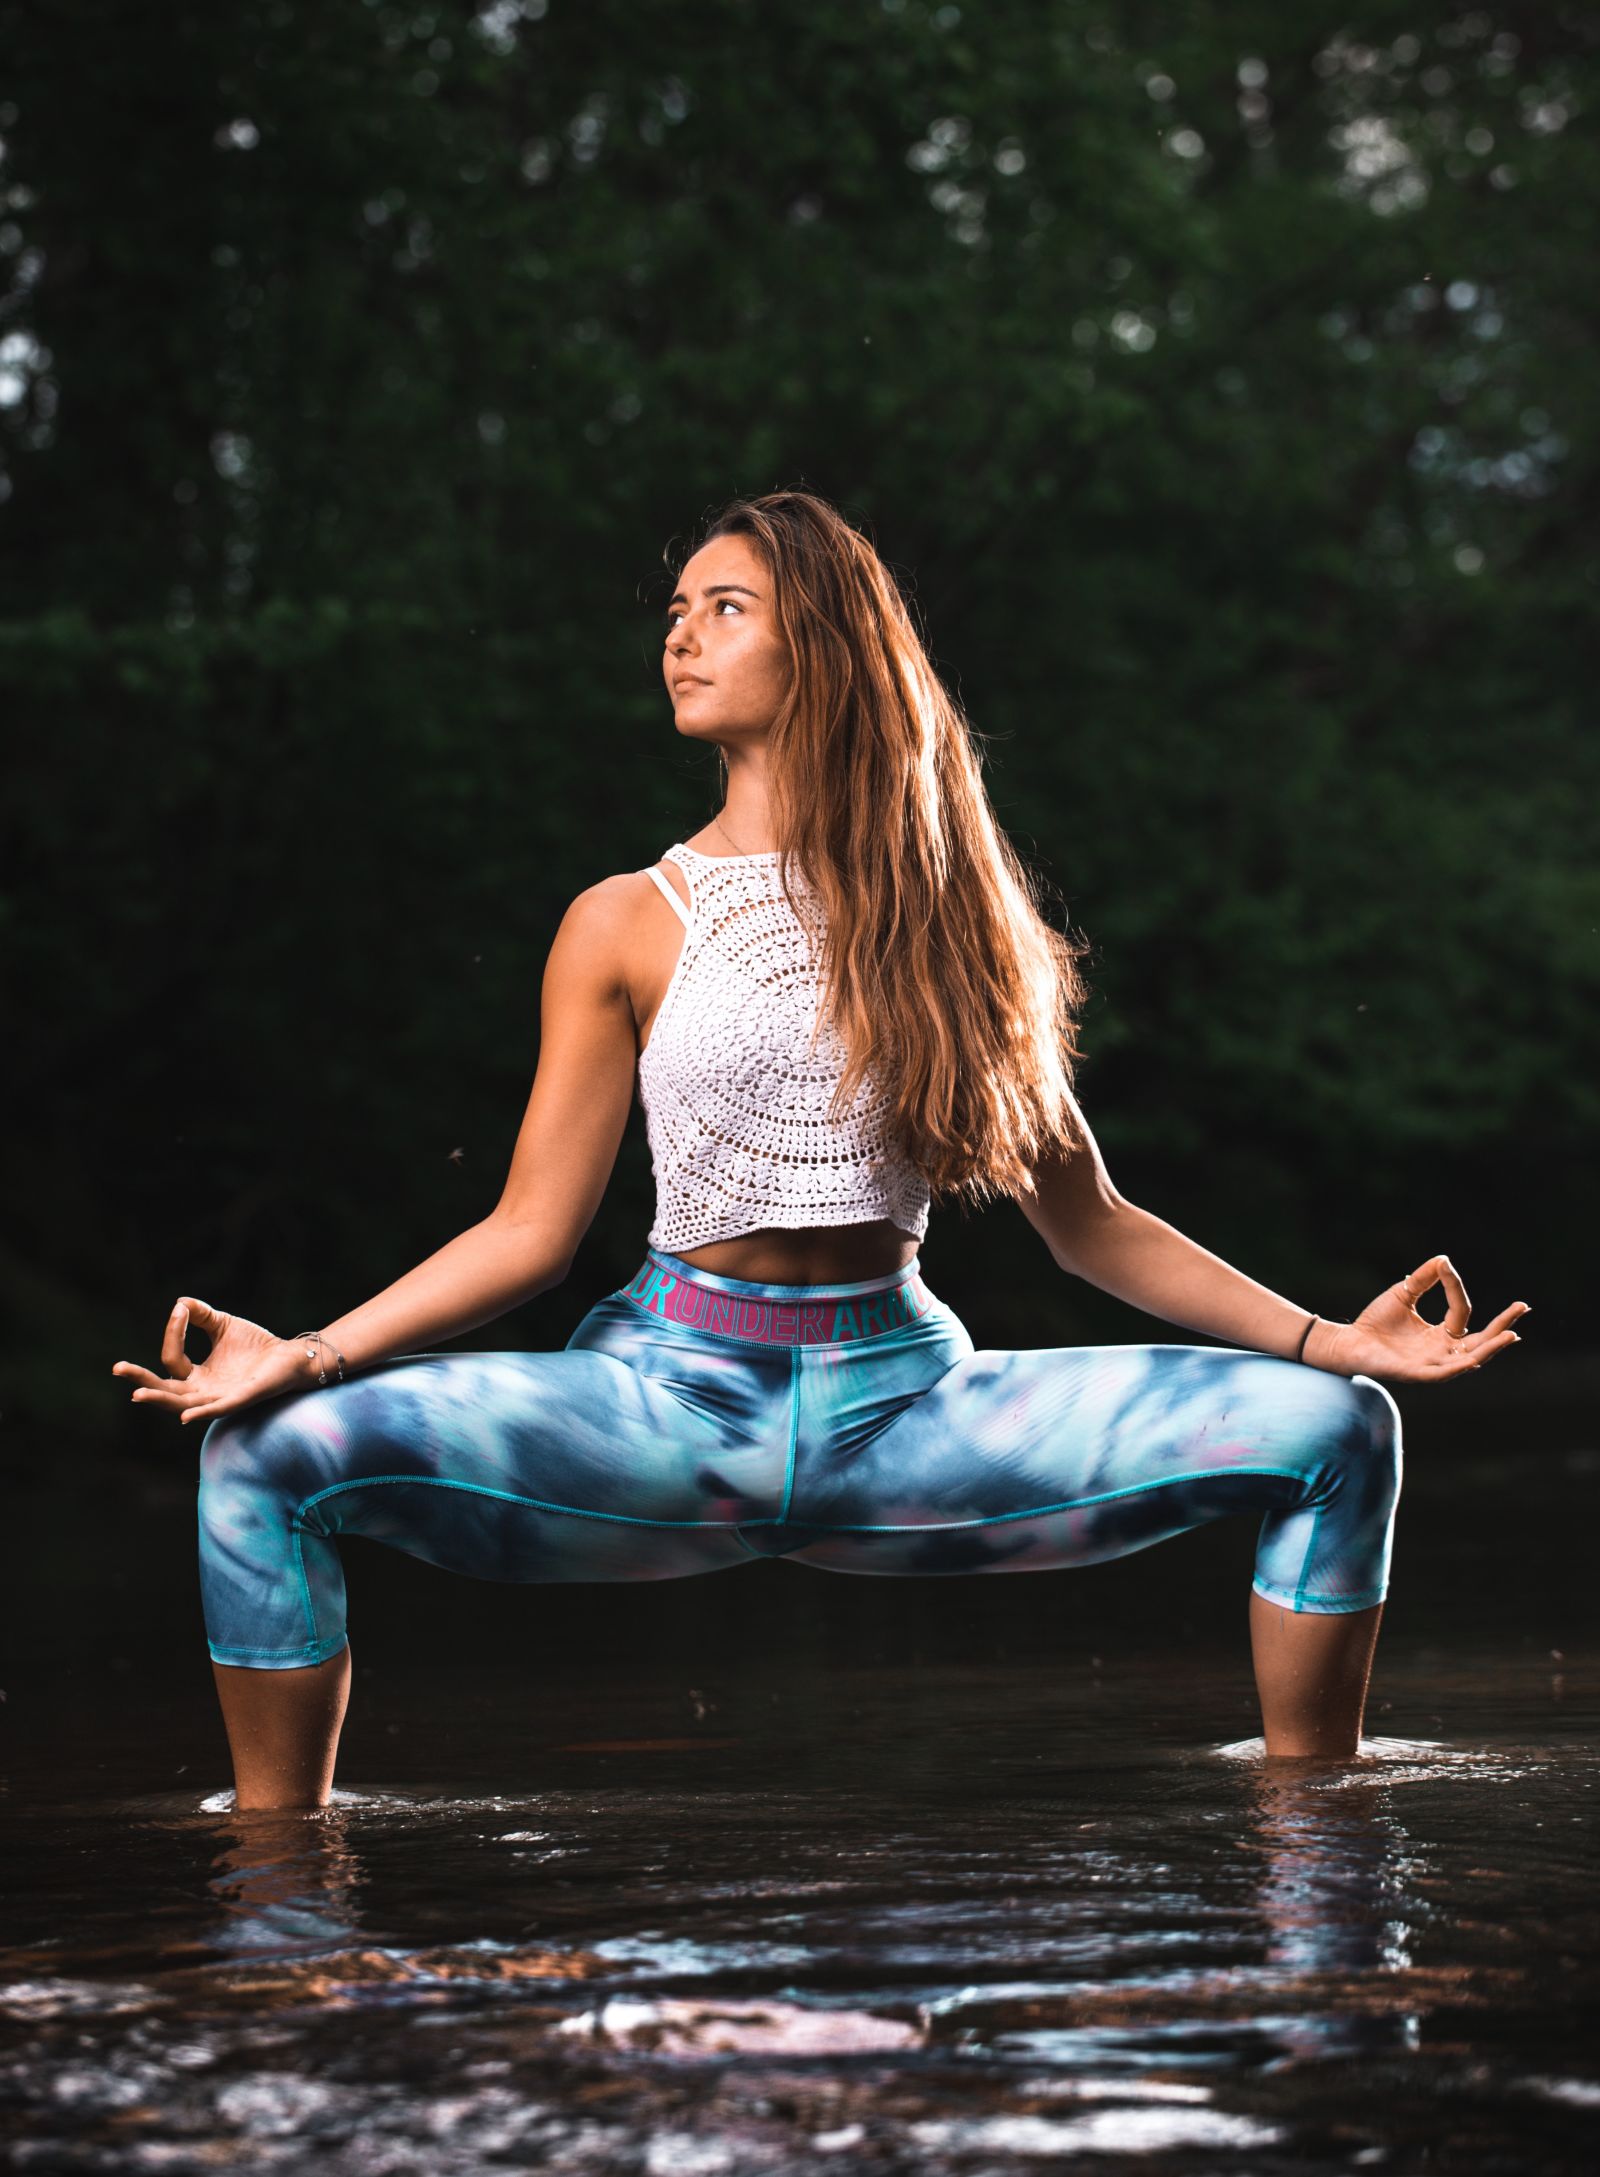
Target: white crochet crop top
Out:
[735,1101]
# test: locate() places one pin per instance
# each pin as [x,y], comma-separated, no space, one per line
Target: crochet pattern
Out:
[735,1101]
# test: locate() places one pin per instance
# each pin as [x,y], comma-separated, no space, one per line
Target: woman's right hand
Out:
[245,1363]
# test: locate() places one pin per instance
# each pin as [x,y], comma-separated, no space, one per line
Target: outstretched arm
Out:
[564,1156]
[1096,1233]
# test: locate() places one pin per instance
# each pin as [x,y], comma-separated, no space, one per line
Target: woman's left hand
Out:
[1389,1338]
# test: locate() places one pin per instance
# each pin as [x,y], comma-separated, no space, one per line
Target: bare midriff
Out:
[811,1255]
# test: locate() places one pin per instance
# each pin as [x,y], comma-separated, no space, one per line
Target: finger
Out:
[1471,1357]
[164,1392]
[141,1375]
[1503,1321]
[160,1392]
[1458,1308]
[1439,1269]
[1426,1275]
[173,1358]
[213,1321]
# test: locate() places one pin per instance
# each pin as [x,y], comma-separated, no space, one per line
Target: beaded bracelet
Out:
[1300,1349]
[315,1342]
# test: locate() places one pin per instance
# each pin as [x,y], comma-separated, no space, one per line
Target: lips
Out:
[690,680]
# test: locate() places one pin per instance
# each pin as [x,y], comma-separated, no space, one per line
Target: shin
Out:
[283,1730]
[1311,1676]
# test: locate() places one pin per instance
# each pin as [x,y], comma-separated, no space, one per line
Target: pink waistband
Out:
[832,1318]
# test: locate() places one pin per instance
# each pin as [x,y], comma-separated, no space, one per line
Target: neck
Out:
[746,813]
[745,823]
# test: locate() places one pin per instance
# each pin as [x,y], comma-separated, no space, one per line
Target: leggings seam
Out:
[222,1649]
[917,1526]
[305,1585]
[1302,1596]
[1305,1567]
[507,1496]
[794,1435]
[1039,1511]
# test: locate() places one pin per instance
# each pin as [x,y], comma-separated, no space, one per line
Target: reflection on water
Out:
[1341,1900]
[1144,1953]
[284,1884]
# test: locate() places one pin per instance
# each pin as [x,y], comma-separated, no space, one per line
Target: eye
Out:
[673,611]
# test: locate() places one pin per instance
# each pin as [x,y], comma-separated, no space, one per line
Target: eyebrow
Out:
[717,589]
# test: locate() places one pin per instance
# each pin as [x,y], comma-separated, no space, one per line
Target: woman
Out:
[838,1001]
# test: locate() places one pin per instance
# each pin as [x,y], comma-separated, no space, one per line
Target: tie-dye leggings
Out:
[664,1440]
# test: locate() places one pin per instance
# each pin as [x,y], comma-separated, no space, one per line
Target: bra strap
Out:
[668,894]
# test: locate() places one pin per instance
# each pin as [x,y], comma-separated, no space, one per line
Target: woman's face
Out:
[726,666]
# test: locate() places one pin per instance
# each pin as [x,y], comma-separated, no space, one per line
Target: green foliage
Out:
[1219,380]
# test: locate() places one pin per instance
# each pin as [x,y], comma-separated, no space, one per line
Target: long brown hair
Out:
[944,981]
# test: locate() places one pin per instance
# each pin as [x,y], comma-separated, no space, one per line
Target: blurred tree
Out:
[1218,379]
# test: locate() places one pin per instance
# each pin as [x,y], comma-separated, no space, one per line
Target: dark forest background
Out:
[1219,379]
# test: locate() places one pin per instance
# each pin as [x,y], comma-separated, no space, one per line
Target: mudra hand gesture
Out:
[1390,1338]
[245,1363]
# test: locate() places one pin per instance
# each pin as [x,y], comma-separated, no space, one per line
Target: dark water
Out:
[791,1872]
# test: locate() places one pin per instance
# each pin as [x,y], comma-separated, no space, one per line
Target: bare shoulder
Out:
[604,916]
[609,905]
[612,932]
[629,890]
[622,904]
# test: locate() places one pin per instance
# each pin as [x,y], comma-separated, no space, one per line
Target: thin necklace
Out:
[727,835]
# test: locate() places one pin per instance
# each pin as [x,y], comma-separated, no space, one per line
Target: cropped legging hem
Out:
[274,1659]
[1317,1605]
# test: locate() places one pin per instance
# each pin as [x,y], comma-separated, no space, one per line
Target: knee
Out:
[252,1458]
[1368,1437]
